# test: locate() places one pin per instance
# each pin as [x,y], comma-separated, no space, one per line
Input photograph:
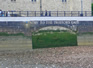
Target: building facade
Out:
[49,5]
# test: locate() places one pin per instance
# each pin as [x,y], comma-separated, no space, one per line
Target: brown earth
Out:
[62,57]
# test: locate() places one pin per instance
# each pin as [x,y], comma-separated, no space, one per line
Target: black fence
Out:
[45,13]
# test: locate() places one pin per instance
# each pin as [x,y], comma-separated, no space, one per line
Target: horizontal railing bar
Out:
[45,13]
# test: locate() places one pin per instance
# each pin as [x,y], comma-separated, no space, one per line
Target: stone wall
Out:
[49,5]
[19,5]
[83,40]
[15,43]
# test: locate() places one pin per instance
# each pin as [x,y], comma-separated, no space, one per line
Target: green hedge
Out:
[55,39]
[92,9]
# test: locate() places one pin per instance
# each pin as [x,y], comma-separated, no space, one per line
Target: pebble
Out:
[46,58]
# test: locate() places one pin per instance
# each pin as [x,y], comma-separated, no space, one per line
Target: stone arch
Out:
[60,28]
[42,24]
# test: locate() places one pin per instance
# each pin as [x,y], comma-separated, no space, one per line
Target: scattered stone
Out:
[73,57]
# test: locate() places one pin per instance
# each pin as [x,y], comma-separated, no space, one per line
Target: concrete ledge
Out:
[45,18]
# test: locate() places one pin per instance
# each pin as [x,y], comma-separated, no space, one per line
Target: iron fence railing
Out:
[45,13]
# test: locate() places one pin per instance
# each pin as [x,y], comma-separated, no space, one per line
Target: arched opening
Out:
[53,36]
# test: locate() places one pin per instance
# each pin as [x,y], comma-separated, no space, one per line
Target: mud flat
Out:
[15,42]
[61,57]
[85,39]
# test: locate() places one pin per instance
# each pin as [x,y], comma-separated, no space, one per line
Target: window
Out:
[13,0]
[64,0]
[33,0]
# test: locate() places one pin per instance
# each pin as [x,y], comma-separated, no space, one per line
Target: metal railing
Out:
[45,13]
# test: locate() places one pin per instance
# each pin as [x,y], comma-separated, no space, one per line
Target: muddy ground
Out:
[61,57]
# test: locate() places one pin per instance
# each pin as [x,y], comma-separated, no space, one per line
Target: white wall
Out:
[50,5]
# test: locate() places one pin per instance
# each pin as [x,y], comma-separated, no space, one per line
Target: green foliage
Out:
[92,9]
[55,39]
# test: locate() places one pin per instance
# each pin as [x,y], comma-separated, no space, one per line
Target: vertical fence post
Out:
[35,13]
[78,13]
[12,13]
[71,13]
[20,13]
[85,13]
[49,13]
[4,14]
[27,13]
[64,14]
[57,13]
[91,13]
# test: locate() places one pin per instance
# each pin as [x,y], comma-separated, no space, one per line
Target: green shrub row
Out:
[92,9]
[55,39]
